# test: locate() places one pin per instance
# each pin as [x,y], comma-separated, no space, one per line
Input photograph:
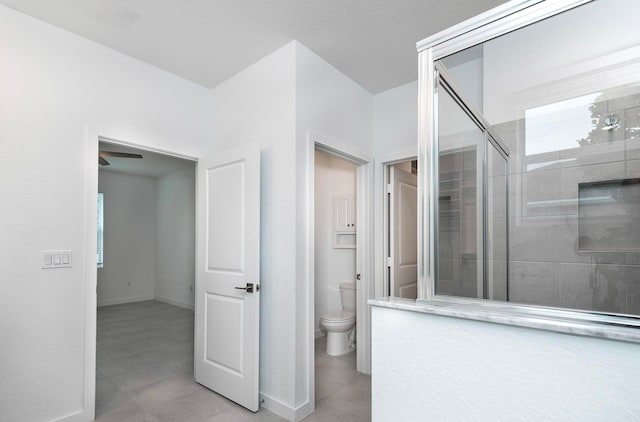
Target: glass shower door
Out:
[497,233]
[460,226]
[472,219]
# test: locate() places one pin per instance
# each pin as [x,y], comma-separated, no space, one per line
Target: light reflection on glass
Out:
[558,126]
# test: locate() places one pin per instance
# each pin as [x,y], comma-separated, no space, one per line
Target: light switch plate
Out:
[56,259]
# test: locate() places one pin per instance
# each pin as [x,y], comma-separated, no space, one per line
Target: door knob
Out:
[249,288]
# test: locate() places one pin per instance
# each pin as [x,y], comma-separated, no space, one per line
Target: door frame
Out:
[93,137]
[364,249]
[382,212]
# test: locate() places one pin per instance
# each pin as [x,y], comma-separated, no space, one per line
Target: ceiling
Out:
[151,165]
[208,41]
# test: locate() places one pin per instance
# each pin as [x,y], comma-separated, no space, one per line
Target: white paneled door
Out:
[228,274]
[404,233]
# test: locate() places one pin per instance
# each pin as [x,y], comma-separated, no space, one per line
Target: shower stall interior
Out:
[536,161]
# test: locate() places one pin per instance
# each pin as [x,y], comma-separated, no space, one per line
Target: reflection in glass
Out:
[459,204]
[609,216]
[497,225]
[570,122]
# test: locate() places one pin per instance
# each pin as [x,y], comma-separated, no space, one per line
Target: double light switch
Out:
[56,259]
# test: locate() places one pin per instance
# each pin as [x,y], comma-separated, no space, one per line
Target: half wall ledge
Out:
[549,319]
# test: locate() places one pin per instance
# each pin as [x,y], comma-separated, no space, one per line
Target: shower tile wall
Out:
[547,267]
[458,260]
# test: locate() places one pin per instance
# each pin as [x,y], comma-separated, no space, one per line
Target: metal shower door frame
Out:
[442,79]
[486,26]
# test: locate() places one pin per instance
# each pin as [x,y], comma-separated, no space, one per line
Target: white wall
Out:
[332,105]
[333,108]
[428,367]
[334,178]
[258,105]
[129,240]
[53,84]
[175,237]
[275,102]
[395,122]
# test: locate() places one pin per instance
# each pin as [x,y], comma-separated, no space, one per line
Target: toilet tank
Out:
[348,296]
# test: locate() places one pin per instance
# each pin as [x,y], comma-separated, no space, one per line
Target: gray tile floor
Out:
[342,393]
[145,373]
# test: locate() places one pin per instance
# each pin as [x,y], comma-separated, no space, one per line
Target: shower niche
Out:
[609,216]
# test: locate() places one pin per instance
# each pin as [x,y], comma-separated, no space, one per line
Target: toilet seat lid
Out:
[339,316]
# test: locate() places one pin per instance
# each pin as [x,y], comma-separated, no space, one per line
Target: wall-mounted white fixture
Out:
[56,259]
[344,214]
[344,223]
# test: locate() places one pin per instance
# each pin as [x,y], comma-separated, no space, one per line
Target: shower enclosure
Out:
[533,164]
[472,239]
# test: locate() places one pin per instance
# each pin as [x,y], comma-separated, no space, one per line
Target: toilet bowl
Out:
[339,325]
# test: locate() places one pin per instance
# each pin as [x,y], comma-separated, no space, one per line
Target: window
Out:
[100,249]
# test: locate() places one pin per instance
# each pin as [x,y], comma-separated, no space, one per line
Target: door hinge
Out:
[389,261]
[390,188]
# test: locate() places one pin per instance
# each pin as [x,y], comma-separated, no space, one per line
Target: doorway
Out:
[145,279]
[182,398]
[335,273]
[400,221]
[146,242]
[362,209]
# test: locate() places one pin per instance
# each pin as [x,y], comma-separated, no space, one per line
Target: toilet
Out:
[340,325]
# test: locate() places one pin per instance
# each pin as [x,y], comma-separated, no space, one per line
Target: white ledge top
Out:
[568,322]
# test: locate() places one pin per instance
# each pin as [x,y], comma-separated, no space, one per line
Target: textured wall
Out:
[428,367]
[53,85]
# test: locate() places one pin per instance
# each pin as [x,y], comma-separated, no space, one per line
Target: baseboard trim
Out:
[110,302]
[284,410]
[175,302]
[277,407]
[305,410]
[77,416]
